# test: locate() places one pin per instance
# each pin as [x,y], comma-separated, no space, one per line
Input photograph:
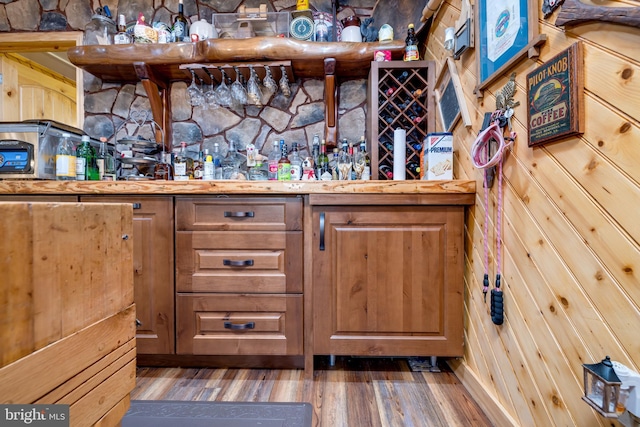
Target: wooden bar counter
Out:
[241,273]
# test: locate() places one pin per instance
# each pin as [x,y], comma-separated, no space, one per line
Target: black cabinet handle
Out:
[137,205]
[322,231]
[239,214]
[245,263]
[238,326]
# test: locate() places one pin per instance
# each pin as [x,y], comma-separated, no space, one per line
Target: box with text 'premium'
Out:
[437,153]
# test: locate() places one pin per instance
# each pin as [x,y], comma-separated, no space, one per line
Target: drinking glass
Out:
[284,82]
[223,91]
[269,82]
[194,93]
[254,94]
[210,96]
[238,91]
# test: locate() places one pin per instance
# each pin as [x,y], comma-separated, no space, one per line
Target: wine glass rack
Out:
[400,96]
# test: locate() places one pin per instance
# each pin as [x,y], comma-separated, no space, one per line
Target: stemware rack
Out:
[244,68]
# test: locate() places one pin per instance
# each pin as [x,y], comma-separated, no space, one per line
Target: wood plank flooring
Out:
[356,392]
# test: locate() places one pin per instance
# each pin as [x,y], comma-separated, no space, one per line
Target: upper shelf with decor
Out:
[120,63]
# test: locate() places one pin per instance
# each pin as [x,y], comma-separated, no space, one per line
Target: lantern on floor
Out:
[602,387]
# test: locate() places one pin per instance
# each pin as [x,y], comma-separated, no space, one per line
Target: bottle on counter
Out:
[198,166]
[284,165]
[411,45]
[181,25]
[122,37]
[163,170]
[323,162]
[86,165]
[364,160]
[106,162]
[66,159]
[333,164]
[181,164]
[315,153]
[344,162]
[296,162]
[231,164]
[217,161]
[272,161]
[207,167]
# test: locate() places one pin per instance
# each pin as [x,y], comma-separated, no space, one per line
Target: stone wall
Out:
[108,106]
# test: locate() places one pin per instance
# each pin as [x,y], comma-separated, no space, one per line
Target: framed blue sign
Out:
[507,30]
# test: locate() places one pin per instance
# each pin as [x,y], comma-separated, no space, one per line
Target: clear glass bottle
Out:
[66,159]
[86,165]
[274,157]
[198,166]
[333,164]
[180,164]
[106,162]
[231,163]
[344,162]
[100,30]
[122,37]
[296,162]
[363,157]
[284,165]
[207,167]
[217,162]
[315,153]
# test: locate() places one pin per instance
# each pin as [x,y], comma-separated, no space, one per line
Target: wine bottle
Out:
[411,45]
[386,172]
[180,25]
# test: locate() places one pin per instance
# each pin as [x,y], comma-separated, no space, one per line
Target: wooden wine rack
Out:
[400,96]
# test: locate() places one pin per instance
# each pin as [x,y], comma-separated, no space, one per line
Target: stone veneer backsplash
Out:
[108,106]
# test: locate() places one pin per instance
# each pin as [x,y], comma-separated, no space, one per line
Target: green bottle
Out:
[86,164]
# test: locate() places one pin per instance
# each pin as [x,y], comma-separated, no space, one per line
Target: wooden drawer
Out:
[230,261]
[229,324]
[239,213]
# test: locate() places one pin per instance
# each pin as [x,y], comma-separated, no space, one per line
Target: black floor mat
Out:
[171,413]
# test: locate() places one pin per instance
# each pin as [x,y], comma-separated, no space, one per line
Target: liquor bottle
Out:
[122,37]
[163,170]
[386,172]
[353,152]
[362,164]
[272,161]
[411,45]
[217,161]
[296,162]
[106,162]
[323,159]
[66,159]
[333,164]
[86,166]
[315,154]
[181,25]
[284,165]
[208,167]
[231,164]
[180,164]
[198,166]
[344,162]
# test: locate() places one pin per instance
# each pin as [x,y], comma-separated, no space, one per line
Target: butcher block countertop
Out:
[196,187]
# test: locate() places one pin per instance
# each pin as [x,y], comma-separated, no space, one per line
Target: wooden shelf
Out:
[117,63]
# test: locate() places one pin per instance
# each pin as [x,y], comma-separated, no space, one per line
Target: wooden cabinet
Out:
[387,278]
[153,270]
[400,96]
[239,275]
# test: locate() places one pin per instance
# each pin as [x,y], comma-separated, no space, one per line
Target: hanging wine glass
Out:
[238,91]
[210,96]
[254,94]
[194,92]
[223,91]
[269,82]
[284,83]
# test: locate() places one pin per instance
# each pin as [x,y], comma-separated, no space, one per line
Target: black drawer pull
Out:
[322,231]
[237,326]
[245,263]
[239,214]
[137,205]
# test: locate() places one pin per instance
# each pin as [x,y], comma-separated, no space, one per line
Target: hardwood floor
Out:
[356,392]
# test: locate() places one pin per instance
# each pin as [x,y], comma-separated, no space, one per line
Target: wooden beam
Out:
[575,12]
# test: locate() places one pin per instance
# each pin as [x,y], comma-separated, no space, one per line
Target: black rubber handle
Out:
[238,326]
[245,263]
[239,214]
[322,231]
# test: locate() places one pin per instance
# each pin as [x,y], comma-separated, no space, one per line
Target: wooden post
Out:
[331,103]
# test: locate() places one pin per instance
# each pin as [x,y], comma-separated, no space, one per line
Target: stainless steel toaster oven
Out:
[28,148]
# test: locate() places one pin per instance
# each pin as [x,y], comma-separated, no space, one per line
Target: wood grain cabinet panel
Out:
[388,280]
[239,275]
[154,292]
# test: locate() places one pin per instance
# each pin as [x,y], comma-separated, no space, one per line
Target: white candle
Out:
[399,154]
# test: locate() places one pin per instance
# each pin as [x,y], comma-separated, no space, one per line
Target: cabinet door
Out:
[388,280]
[153,270]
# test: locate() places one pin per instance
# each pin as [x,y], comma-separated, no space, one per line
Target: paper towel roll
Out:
[399,154]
